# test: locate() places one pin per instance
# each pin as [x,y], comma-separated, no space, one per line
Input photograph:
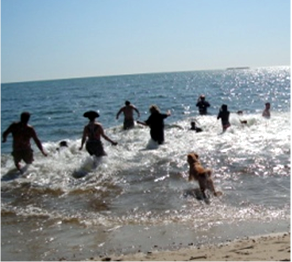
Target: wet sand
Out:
[272,247]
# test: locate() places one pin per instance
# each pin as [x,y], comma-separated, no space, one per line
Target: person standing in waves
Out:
[128,111]
[156,124]
[94,131]
[202,104]
[224,115]
[22,133]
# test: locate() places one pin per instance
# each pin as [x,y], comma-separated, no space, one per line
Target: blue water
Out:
[134,199]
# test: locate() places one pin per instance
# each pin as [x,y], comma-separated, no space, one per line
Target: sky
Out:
[59,39]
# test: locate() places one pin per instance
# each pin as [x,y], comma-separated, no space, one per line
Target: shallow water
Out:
[135,198]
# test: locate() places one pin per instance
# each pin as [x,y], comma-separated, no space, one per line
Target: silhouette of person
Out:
[195,128]
[156,124]
[266,113]
[224,115]
[94,131]
[128,111]
[22,133]
[202,104]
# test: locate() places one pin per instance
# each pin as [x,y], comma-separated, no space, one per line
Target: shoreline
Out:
[268,247]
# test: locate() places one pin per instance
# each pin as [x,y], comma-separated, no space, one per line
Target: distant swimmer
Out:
[128,111]
[266,112]
[93,131]
[22,133]
[202,104]
[195,128]
[224,115]
[156,123]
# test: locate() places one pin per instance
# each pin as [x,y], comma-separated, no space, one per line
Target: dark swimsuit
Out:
[93,145]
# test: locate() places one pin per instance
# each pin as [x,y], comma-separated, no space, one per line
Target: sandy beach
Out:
[272,247]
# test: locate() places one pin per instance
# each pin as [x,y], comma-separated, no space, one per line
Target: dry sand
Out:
[273,247]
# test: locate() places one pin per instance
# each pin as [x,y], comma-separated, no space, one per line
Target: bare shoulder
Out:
[97,124]
[30,129]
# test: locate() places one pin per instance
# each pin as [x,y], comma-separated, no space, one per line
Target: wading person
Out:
[92,133]
[156,124]
[128,111]
[22,133]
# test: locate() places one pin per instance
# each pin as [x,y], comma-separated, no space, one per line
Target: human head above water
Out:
[224,107]
[153,109]
[24,117]
[127,103]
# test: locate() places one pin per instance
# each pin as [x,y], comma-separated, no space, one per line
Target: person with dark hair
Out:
[93,131]
[202,104]
[195,128]
[224,115]
[128,111]
[156,124]
[266,113]
[22,133]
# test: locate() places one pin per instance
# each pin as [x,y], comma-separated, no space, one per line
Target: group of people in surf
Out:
[22,132]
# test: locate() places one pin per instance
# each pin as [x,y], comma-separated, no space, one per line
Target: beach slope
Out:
[272,247]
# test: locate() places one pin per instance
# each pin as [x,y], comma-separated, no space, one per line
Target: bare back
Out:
[93,131]
[128,112]
[21,135]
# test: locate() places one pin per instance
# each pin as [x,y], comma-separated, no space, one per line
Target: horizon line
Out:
[145,73]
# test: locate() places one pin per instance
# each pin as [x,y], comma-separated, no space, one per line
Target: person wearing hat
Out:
[22,133]
[93,131]
[202,104]
[128,111]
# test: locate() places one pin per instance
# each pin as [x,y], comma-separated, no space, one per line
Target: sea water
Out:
[136,198]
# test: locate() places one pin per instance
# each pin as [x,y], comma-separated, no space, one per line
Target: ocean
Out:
[136,198]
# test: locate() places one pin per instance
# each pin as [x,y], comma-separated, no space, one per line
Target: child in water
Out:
[224,115]
[195,128]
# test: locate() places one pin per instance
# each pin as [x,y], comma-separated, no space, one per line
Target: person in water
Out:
[224,115]
[202,104]
[94,131]
[128,111]
[156,124]
[22,133]
[266,113]
[195,128]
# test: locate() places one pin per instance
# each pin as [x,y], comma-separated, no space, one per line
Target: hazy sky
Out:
[53,39]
